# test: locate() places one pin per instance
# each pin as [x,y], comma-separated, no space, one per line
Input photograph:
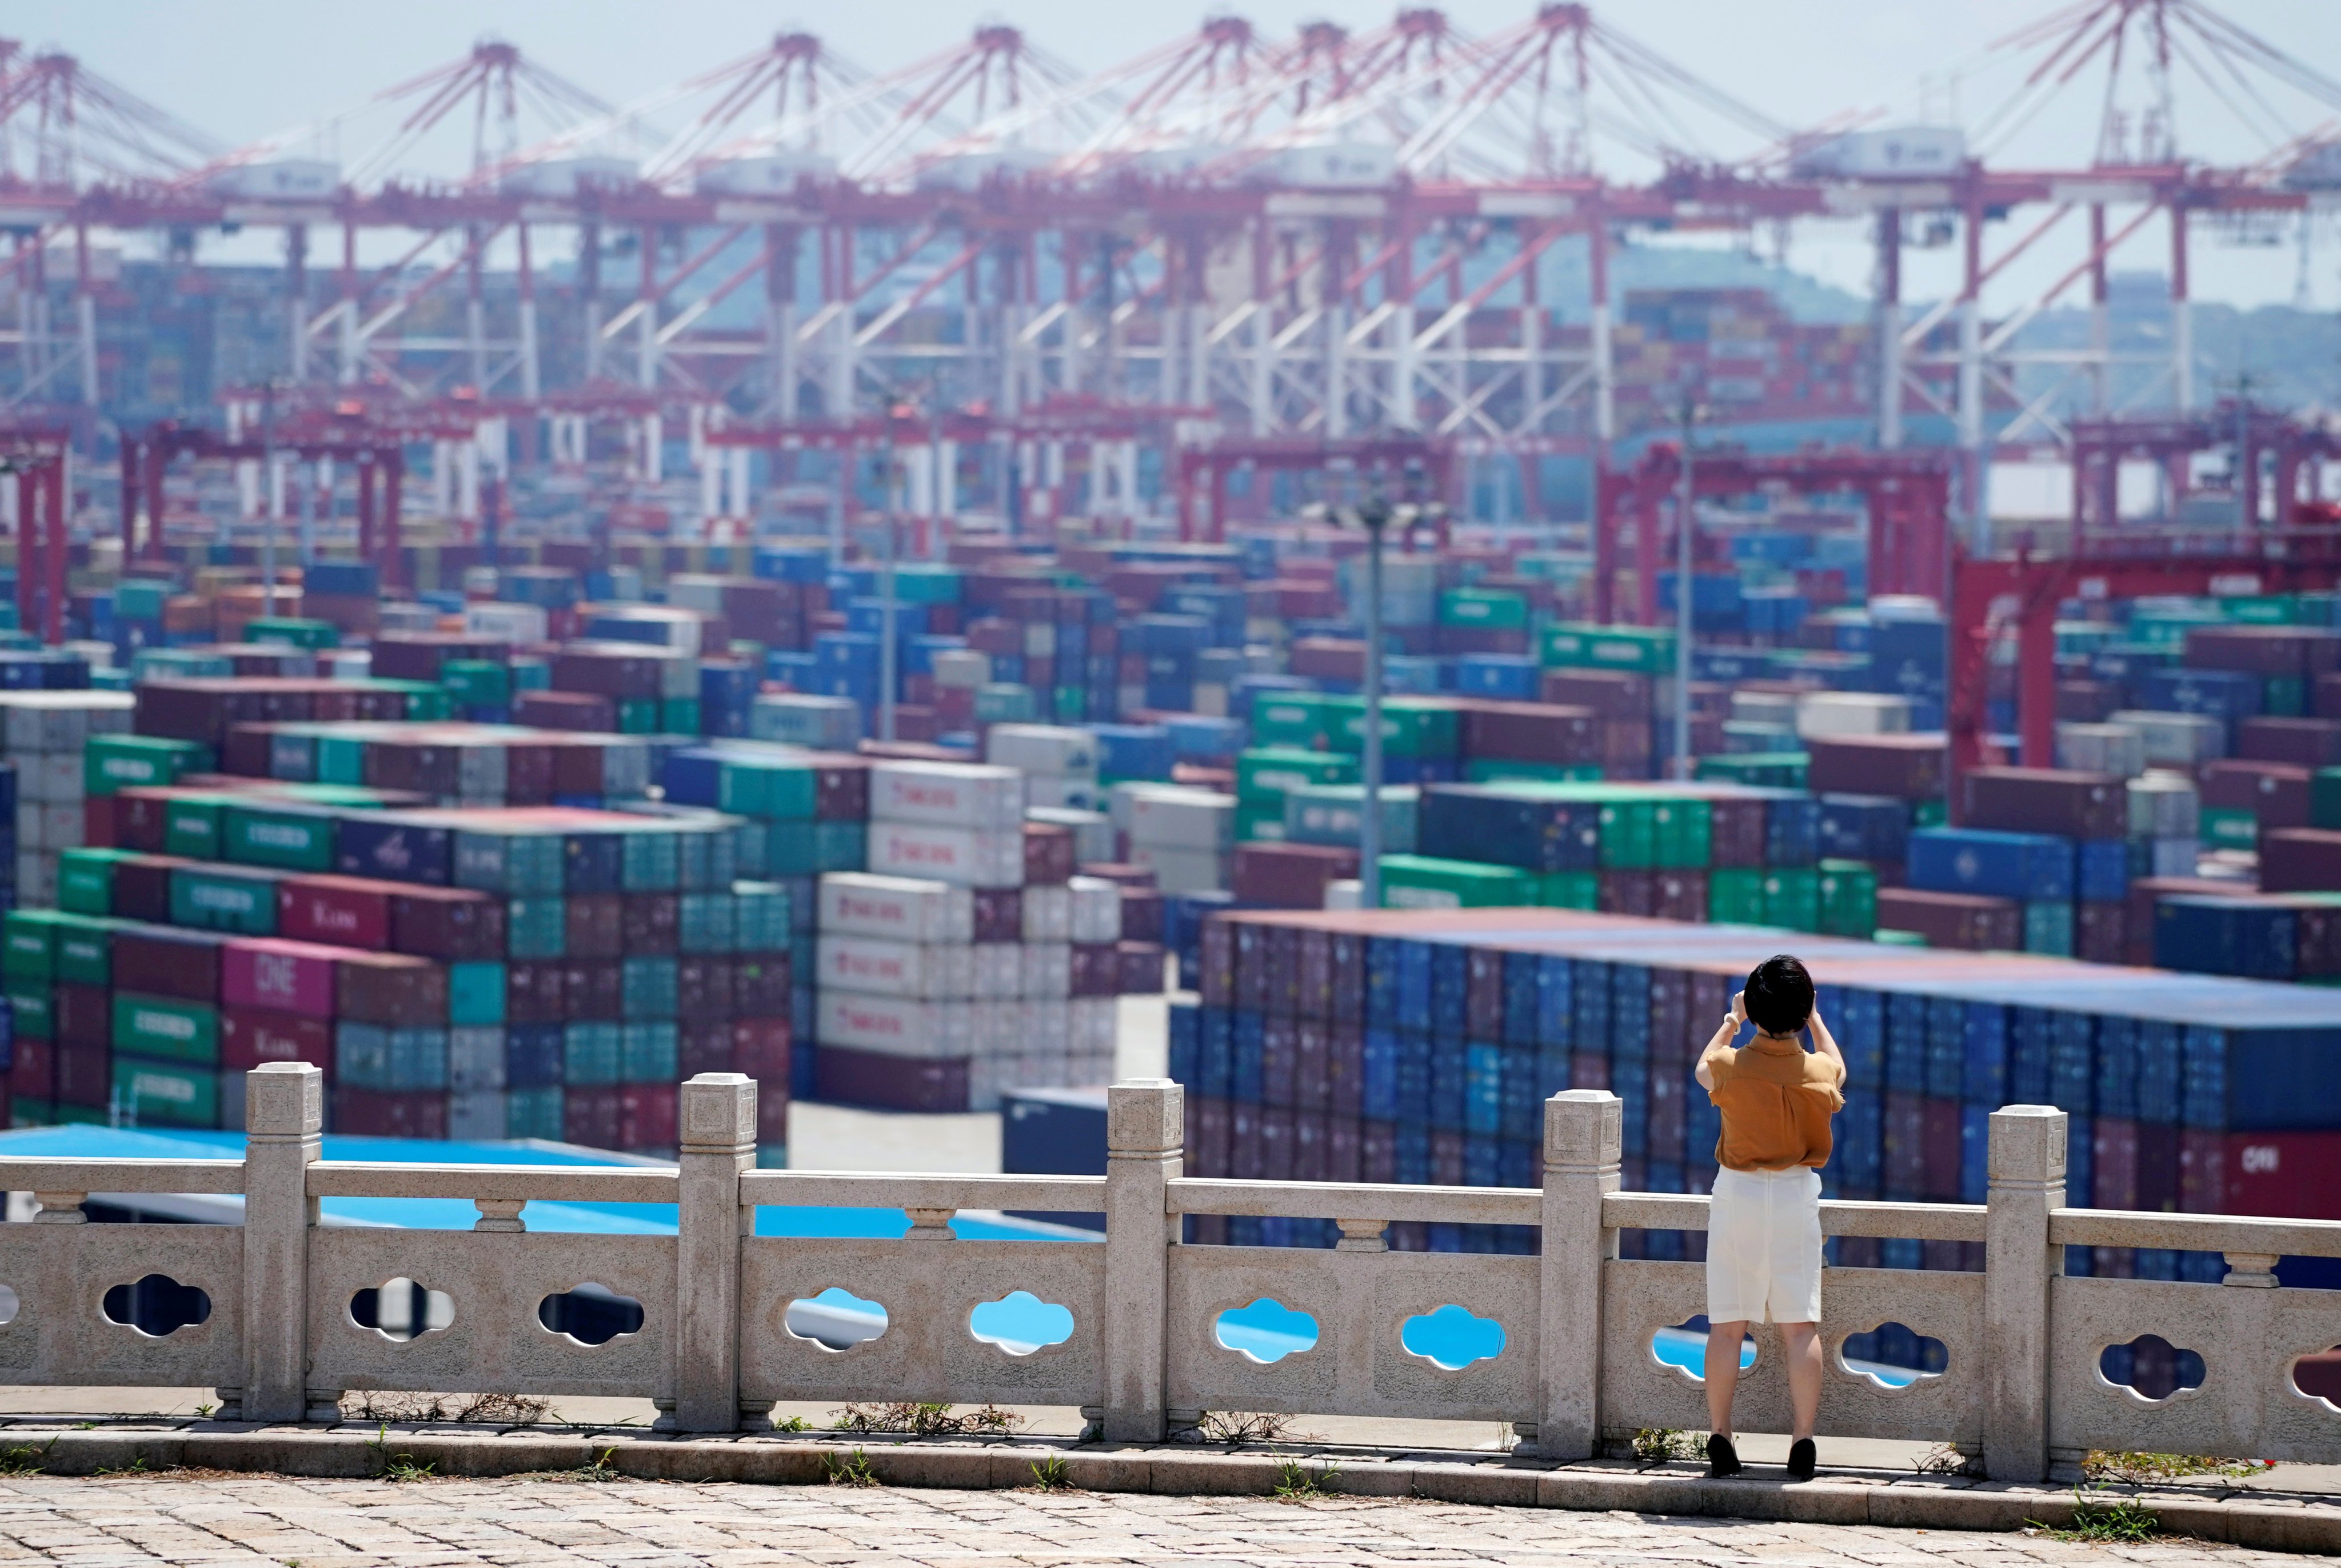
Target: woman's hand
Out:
[1738,1008]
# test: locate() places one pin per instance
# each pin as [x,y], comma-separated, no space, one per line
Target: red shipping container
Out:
[589,1116]
[2280,652]
[592,989]
[248,1038]
[2063,801]
[1447,1159]
[270,974]
[1138,969]
[773,1117]
[84,1075]
[1969,921]
[348,911]
[2158,1173]
[1608,693]
[1907,767]
[646,1115]
[1589,1070]
[2114,1152]
[1290,875]
[759,985]
[2306,742]
[2100,932]
[395,989]
[99,817]
[1048,854]
[85,1017]
[648,923]
[33,1075]
[2281,1174]
[532,994]
[1679,896]
[705,985]
[2275,793]
[1941,1134]
[1628,893]
[2087,701]
[759,1047]
[1531,732]
[167,963]
[1345,1066]
[890,1083]
[2300,860]
[1206,1137]
[369,1113]
[1736,832]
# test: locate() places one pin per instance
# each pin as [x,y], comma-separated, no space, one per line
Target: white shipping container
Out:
[506,622]
[960,855]
[1042,749]
[894,1026]
[1048,1024]
[1185,870]
[1060,791]
[476,1115]
[931,972]
[999,972]
[1048,971]
[1096,911]
[37,879]
[63,721]
[1048,914]
[2175,739]
[1096,1027]
[47,827]
[2116,748]
[963,667]
[900,908]
[1764,707]
[947,795]
[1093,830]
[475,1059]
[1827,713]
[2177,857]
[2163,804]
[1174,817]
[53,776]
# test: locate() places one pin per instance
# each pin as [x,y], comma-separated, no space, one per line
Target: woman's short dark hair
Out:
[1780,995]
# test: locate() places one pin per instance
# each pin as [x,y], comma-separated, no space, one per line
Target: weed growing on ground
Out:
[398,1466]
[1945,1459]
[1294,1484]
[793,1424]
[1232,1426]
[1049,1475]
[1657,1444]
[2120,1522]
[25,1460]
[2140,1469]
[848,1469]
[926,1420]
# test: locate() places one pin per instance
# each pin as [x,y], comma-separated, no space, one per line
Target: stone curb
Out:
[2267,1525]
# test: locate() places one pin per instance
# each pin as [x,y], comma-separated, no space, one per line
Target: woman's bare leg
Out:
[1803,1345]
[1723,1343]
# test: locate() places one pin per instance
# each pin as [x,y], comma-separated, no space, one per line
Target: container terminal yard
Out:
[939,586]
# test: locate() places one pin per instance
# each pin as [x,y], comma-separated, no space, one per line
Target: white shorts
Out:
[1764,1246]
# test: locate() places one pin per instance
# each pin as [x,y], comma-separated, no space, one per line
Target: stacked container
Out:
[57,770]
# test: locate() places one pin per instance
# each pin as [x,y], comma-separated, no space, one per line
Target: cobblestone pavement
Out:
[214,1517]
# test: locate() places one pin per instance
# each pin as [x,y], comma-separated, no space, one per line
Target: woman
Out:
[1764,1223]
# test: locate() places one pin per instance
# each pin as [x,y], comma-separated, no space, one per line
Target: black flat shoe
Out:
[1801,1459]
[1722,1458]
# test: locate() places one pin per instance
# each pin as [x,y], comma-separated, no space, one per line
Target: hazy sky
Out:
[249,68]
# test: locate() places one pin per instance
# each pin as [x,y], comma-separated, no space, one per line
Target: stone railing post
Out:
[1582,1132]
[718,1142]
[1145,1135]
[284,1122]
[2027,1166]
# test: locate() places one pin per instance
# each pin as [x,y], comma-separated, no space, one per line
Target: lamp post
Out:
[1373,516]
[1685,530]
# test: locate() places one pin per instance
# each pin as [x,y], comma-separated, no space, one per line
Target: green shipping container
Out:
[1934,813]
[475,994]
[1412,726]
[1849,892]
[33,1008]
[85,879]
[1683,833]
[85,949]
[1264,773]
[291,840]
[1488,609]
[2323,803]
[840,845]
[679,716]
[638,716]
[220,900]
[1259,822]
[1758,770]
[191,827]
[1899,939]
[1501,770]
[1290,719]
[165,1027]
[1630,840]
[24,1113]
[340,761]
[1792,898]
[168,1094]
[31,953]
[1424,882]
[476,682]
[1734,895]
[1569,889]
[2227,828]
[300,633]
[1637,649]
[536,929]
[114,762]
[2286,697]
[2048,926]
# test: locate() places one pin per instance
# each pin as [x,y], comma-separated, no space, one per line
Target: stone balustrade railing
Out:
[1575,1366]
